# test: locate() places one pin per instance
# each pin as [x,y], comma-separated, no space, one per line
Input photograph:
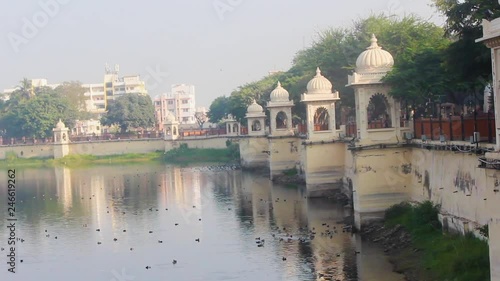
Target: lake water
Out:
[69,220]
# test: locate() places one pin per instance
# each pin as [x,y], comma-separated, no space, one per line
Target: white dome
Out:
[319,84]
[374,59]
[60,125]
[255,108]
[279,94]
[170,117]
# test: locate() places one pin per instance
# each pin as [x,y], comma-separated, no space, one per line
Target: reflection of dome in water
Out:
[279,94]
[319,84]
[374,59]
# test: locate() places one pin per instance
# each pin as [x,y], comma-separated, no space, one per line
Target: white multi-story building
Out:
[98,94]
[180,102]
[87,128]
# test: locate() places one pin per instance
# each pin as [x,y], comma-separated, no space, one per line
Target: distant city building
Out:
[87,128]
[113,86]
[180,102]
[99,94]
[272,72]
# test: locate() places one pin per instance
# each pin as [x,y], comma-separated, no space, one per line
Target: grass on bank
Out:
[11,160]
[447,256]
[87,159]
[184,155]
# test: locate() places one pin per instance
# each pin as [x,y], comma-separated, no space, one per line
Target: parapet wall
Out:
[323,167]
[28,151]
[380,179]
[113,147]
[454,181]
[284,154]
[103,148]
[254,152]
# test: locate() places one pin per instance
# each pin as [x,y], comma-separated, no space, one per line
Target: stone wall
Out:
[381,178]
[103,148]
[453,180]
[322,165]
[115,147]
[284,154]
[254,152]
[28,151]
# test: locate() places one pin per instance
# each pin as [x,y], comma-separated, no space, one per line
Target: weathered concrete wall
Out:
[215,142]
[102,148]
[254,152]
[454,181]
[284,154]
[349,169]
[381,179]
[61,150]
[323,167]
[28,151]
[218,143]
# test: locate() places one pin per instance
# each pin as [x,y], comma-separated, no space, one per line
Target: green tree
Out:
[420,78]
[467,62]
[37,116]
[26,88]
[335,51]
[23,92]
[130,111]
[465,15]
[201,118]
[74,91]
[218,109]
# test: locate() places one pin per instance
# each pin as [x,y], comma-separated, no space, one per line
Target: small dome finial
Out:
[373,41]
[318,71]
[279,85]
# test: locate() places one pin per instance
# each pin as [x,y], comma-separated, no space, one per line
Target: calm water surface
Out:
[139,206]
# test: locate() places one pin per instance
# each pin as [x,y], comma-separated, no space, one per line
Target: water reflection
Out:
[141,206]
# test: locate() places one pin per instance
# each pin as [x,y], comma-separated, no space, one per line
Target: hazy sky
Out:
[215,45]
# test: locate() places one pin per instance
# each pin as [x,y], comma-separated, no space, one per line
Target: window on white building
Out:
[185,101]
